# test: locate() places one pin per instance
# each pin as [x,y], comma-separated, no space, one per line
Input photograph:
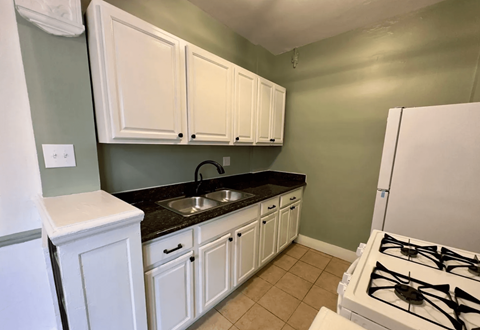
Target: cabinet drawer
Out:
[269,206]
[226,223]
[161,249]
[291,197]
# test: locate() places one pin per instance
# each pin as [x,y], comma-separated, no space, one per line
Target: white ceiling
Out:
[281,25]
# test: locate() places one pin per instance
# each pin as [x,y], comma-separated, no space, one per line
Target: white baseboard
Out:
[327,248]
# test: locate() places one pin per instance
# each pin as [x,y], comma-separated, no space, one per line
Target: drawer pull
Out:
[293,198]
[271,207]
[172,250]
[264,222]
[292,208]
[239,234]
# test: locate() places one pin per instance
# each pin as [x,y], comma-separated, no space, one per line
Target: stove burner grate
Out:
[409,294]
[475,270]
[471,264]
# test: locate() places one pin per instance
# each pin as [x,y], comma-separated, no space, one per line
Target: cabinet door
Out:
[246,251]
[264,110]
[268,241]
[209,90]
[278,114]
[214,272]
[293,221]
[138,78]
[283,228]
[170,294]
[244,106]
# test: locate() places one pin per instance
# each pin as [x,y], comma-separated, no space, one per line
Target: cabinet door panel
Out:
[214,271]
[264,110]
[278,114]
[170,294]
[209,96]
[293,221]
[268,241]
[245,252]
[144,78]
[283,228]
[244,106]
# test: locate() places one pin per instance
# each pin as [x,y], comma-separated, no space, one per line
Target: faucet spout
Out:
[219,167]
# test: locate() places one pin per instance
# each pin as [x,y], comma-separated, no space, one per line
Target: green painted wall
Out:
[58,83]
[339,95]
[129,167]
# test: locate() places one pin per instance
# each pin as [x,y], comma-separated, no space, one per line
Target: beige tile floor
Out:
[284,295]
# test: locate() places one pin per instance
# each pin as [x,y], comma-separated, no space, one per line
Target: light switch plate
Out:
[226,161]
[59,155]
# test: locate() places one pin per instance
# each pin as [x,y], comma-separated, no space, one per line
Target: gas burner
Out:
[461,265]
[475,270]
[409,294]
[408,251]
[423,255]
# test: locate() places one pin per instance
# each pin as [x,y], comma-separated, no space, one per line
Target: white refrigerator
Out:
[429,183]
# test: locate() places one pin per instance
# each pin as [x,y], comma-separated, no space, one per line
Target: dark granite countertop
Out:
[159,221]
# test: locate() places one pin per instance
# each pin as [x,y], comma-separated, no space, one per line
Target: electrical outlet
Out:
[58,155]
[226,161]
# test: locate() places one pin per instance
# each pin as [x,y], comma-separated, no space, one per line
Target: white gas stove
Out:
[400,283]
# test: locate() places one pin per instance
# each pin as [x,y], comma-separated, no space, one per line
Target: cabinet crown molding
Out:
[57,17]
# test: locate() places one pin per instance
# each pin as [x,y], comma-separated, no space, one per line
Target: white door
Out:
[246,251]
[283,228]
[278,114]
[144,77]
[293,221]
[268,241]
[244,106]
[264,110]
[214,272]
[209,90]
[170,294]
[434,192]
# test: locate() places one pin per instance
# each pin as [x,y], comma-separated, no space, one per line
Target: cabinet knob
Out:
[180,135]
[264,222]
[292,208]
[237,138]
[272,140]
[239,234]
[192,259]
[230,239]
[193,136]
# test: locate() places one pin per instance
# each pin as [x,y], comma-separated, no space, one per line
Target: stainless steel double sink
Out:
[188,206]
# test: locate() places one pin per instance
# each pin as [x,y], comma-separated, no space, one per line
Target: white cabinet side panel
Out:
[434,193]
[389,145]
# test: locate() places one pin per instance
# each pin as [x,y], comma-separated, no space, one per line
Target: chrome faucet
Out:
[219,167]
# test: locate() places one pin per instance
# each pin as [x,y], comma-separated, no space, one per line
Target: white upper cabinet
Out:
[278,116]
[210,91]
[270,112]
[138,78]
[264,110]
[244,108]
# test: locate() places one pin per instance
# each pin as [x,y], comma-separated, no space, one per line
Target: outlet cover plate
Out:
[59,155]
[226,161]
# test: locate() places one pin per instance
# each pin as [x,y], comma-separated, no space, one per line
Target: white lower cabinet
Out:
[293,221]
[283,220]
[268,241]
[170,294]
[214,271]
[246,251]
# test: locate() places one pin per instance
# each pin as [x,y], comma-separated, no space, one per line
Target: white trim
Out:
[327,248]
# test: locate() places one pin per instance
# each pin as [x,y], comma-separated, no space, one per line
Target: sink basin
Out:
[189,205]
[228,195]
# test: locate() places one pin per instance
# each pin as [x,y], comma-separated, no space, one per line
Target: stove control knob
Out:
[360,249]
[341,288]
